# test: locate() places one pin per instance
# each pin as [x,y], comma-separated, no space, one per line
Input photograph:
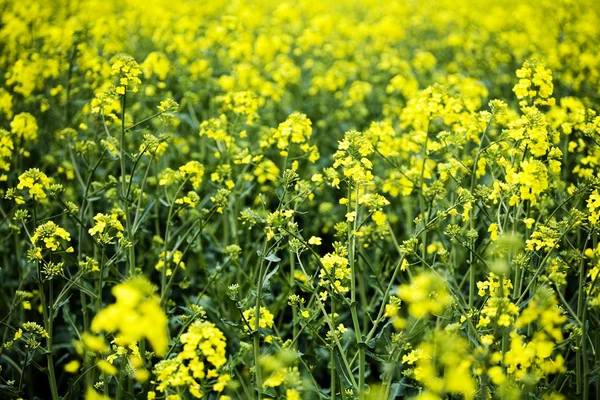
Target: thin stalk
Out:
[124,194]
[292,283]
[352,226]
[256,333]
[49,319]
[332,358]
[472,219]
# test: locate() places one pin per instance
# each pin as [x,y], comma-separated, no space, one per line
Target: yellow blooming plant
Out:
[135,315]
[199,362]
[299,200]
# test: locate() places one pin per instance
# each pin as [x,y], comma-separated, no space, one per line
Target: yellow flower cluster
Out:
[36,181]
[534,357]
[199,361]
[192,171]
[266,319]
[498,308]
[296,129]
[535,82]
[169,259]
[449,354]
[24,127]
[51,234]
[352,155]
[135,315]
[335,272]
[29,332]
[593,206]
[244,103]
[426,294]
[106,228]
[6,149]
[127,71]
[464,136]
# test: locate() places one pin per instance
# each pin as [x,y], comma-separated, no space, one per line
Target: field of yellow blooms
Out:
[358,199]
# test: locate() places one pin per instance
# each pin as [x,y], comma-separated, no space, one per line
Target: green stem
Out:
[332,358]
[353,303]
[472,219]
[256,333]
[49,318]
[124,194]
[292,283]
[421,197]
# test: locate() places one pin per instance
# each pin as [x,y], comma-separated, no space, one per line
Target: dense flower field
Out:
[299,200]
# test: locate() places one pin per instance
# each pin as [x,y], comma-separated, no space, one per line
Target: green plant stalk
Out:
[139,202]
[292,284]
[128,222]
[517,285]
[119,385]
[49,319]
[256,333]
[484,385]
[163,297]
[25,362]
[100,283]
[380,314]
[353,303]
[579,353]
[166,259]
[584,328]
[332,358]
[597,340]
[472,219]
[504,330]
[330,324]
[584,352]
[421,198]
[86,322]
[389,375]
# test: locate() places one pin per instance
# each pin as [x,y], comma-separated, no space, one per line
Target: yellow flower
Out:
[379,218]
[493,229]
[91,394]
[93,343]
[36,181]
[171,260]
[275,379]
[24,126]
[411,357]
[426,294]
[222,380]
[266,318]
[335,272]
[292,394]
[107,227]
[135,315]
[72,367]
[106,367]
[314,240]
[50,234]
[529,222]
[202,355]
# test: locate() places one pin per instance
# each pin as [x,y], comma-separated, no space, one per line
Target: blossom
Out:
[265,320]
[36,181]
[51,234]
[136,314]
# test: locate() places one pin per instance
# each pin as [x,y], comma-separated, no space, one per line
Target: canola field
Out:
[317,199]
